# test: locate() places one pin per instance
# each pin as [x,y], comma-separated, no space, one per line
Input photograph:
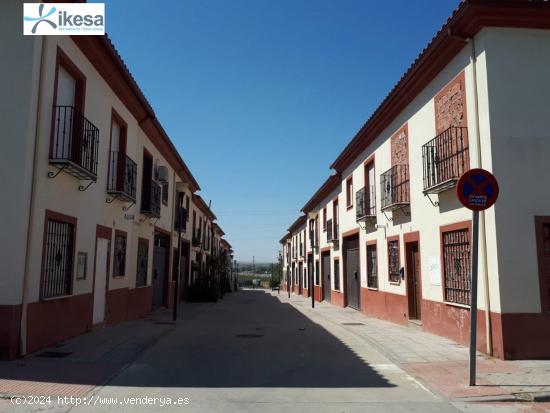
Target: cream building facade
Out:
[474,98]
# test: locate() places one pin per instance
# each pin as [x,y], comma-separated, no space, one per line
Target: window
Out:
[187,207]
[119,259]
[58,260]
[324,219]
[194,223]
[456,266]
[337,275]
[335,219]
[372,267]
[349,192]
[393,261]
[370,189]
[142,262]
[165,189]
[543,252]
[317,272]
[305,278]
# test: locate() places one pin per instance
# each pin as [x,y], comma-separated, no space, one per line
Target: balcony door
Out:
[69,96]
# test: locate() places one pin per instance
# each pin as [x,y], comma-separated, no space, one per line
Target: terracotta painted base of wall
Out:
[296,290]
[52,321]
[318,293]
[454,322]
[337,298]
[140,302]
[305,292]
[10,317]
[384,305]
[526,336]
[117,306]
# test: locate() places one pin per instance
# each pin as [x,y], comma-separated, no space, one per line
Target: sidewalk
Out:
[438,363]
[77,366]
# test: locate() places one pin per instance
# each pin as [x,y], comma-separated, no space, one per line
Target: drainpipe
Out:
[24,297]
[482,227]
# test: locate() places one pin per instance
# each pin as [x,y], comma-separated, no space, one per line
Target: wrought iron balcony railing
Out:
[395,187]
[122,176]
[445,158]
[150,199]
[75,143]
[180,219]
[365,203]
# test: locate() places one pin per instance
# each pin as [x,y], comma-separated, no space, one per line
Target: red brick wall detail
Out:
[450,105]
[400,147]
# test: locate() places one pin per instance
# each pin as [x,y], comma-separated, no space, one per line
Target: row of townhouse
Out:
[385,233]
[96,196]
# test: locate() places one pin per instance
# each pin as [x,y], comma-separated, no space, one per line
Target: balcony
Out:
[122,177]
[332,233]
[74,144]
[365,204]
[196,240]
[394,187]
[445,158]
[180,219]
[150,200]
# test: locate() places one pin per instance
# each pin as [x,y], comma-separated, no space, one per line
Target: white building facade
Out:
[474,98]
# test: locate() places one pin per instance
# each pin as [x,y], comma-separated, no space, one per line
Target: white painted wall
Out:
[424,217]
[518,66]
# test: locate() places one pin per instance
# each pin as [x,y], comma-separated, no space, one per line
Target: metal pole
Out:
[176,287]
[473,298]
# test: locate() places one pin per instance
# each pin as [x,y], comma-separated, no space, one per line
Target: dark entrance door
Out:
[160,269]
[300,276]
[414,285]
[353,276]
[310,273]
[326,276]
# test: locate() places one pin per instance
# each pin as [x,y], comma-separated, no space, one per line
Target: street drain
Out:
[249,335]
[54,354]
[353,324]
[164,322]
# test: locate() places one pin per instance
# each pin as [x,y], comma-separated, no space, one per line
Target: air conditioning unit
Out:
[162,174]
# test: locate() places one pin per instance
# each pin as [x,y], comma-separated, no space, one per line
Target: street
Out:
[252,351]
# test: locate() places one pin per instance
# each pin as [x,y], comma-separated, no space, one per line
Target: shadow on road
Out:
[249,339]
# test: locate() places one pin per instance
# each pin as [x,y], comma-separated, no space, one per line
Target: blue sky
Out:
[260,96]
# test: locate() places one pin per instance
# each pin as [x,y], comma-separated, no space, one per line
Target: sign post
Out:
[477,190]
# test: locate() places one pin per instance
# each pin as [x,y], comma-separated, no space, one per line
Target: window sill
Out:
[467,307]
[395,283]
[61,297]
[119,276]
[349,207]
[372,288]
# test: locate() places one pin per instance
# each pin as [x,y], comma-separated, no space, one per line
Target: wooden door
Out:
[414,281]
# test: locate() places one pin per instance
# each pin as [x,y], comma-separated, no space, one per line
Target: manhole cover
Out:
[353,324]
[249,335]
[54,354]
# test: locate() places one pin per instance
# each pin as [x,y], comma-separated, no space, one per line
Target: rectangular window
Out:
[349,192]
[335,219]
[317,272]
[337,275]
[194,223]
[543,252]
[324,219]
[119,259]
[58,262]
[187,207]
[165,188]
[142,262]
[456,266]
[393,261]
[372,267]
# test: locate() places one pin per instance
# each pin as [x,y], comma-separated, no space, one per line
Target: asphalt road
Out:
[252,353]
